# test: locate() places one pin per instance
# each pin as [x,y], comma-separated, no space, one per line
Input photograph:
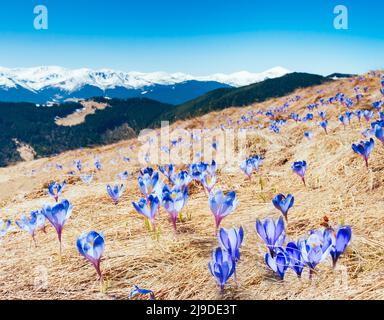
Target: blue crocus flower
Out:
[368,115]
[139,291]
[58,215]
[342,236]
[364,149]
[28,224]
[173,202]
[299,167]
[359,114]
[115,192]
[91,247]
[271,232]
[208,181]
[87,178]
[34,222]
[221,205]
[148,208]
[315,249]
[324,125]
[167,171]
[348,116]
[230,242]
[308,135]
[221,267]
[279,262]
[322,114]
[55,189]
[78,165]
[5,225]
[123,175]
[295,258]
[182,179]
[343,120]
[147,183]
[248,165]
[98,164]
[283,203]
[379,133]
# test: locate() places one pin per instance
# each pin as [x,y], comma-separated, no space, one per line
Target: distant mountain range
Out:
[124,118]
[56,84]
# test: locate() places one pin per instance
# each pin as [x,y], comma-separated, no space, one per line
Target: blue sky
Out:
[196,36]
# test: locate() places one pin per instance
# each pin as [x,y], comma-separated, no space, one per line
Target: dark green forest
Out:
[125,118]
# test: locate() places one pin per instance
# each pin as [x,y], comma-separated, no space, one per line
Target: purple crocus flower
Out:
[148,208]
[58,215]
[98,164]
[271,232]
[55,189]
[283,203]
[167,171]
[79,165]
[221,267]
[368,115]
[379,133]
[115,192]
[208,181]
[221,205]
[315,249]
[231,240]
[147,183]
[322,114]
[364,149]
[87,178]
[91,247]
[308,135]
[173,202]
[123,175]
[278,263]
[28,224]
[140,291]
[343,120]
[359,114]
[182,179]
[295,258]
[299,167]
[4,227]
[342,236]
[324,125]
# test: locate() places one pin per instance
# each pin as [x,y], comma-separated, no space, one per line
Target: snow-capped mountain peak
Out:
[38,78]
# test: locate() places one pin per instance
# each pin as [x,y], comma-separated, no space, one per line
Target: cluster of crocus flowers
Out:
[91,247]
[115,192]
[251,164]
[36,221]
[364,149]
[173,202]
[310,251]
[55,189]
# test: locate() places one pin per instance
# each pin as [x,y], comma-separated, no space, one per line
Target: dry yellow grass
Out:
[338,185]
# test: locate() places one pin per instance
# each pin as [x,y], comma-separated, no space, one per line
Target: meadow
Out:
[300,217]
